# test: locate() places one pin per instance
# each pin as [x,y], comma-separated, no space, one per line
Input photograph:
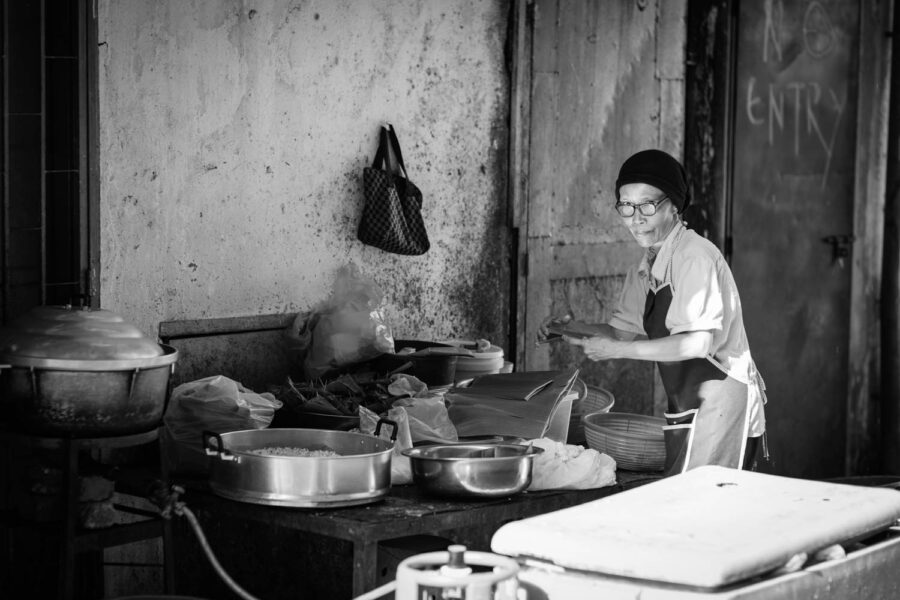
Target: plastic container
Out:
[486,362]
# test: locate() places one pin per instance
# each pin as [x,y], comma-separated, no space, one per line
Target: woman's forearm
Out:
[681,346]
[601,329]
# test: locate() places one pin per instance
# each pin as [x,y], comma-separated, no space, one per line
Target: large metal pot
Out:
[81,372]
[360,472]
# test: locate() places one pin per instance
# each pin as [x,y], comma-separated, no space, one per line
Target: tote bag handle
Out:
[389,148]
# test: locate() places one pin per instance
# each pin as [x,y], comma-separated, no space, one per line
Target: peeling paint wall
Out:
[233,135]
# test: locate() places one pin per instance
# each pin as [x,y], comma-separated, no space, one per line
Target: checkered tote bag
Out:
[392,214]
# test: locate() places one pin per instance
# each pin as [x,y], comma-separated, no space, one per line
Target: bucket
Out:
[483,362]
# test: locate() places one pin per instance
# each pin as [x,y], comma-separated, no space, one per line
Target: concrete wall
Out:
[233,135]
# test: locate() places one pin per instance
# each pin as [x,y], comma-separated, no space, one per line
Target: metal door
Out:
[791,218]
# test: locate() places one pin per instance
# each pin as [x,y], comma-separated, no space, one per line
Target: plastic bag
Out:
[569,467]
[401,470]
[216,404]
[404,385]
[348,328]
[428,419]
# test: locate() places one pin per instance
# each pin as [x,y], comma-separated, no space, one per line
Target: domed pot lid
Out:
[74,333]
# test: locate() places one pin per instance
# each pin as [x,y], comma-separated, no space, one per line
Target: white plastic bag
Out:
[348,328]
[401,470]
[569,467]
[217,404]
[428,419]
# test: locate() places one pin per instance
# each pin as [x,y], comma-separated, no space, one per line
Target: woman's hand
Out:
[544,332]
[598,347]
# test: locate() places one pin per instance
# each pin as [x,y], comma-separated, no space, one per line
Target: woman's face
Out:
[648,231]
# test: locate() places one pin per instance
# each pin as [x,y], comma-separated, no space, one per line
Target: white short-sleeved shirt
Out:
[704,298]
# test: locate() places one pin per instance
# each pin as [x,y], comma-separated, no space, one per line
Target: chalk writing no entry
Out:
[792,94]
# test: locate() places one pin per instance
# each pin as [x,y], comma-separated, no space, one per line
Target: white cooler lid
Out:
[706,528]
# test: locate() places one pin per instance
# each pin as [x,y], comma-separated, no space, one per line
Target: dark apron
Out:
[707,410]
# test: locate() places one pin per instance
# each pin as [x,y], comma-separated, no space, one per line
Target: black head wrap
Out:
[660,170]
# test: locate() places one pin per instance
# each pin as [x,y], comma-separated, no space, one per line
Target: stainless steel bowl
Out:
[486,470]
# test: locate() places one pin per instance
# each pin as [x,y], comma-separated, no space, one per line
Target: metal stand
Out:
[75,539]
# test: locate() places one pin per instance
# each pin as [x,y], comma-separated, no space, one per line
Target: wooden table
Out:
[405,511]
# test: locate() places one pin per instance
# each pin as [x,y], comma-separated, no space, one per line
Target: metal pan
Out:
[360,473]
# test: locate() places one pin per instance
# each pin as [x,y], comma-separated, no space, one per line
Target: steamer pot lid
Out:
[490,353]
[74,333]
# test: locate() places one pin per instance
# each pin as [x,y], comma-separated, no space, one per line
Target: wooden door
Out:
[597,81]
[791,218]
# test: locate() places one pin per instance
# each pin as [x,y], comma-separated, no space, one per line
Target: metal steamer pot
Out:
[81,372]
[360,473]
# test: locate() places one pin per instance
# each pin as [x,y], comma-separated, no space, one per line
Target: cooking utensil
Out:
[82,372]
[360,473]
[489,470]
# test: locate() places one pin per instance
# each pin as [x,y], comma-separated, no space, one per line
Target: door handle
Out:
[840,246]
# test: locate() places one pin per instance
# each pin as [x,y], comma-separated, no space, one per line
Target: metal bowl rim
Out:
[246,452]
[169,356]
[420,453]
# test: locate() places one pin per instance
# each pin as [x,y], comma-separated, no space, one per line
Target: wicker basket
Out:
[590,399]
[634,441]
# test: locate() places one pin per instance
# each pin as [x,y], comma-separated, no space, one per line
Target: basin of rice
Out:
[291,451]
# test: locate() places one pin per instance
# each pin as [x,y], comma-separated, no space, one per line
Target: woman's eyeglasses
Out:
[648,209]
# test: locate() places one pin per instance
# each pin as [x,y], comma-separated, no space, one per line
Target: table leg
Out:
[70,494]
[168,537]
[365,563]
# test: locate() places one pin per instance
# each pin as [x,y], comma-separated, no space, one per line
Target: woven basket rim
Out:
[591,417]
[642,421]
[603,399]
[623,416]
[639,454]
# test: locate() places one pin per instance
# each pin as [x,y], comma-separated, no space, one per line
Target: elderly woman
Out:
[680,308]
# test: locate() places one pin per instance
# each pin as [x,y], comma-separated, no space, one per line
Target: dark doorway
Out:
[49,51]
[771,147]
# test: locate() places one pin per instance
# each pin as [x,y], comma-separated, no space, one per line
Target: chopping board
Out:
[705,528]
